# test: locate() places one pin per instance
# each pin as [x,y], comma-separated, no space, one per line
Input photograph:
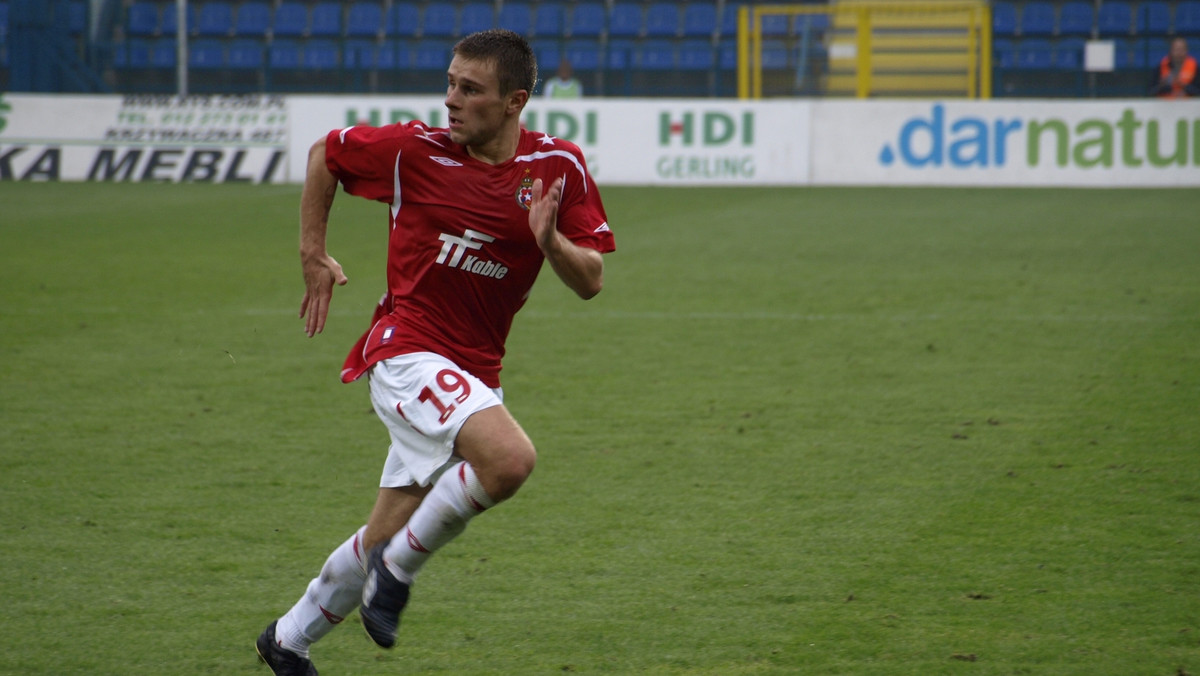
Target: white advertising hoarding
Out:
[1152,143]
[212,139]
[626,142]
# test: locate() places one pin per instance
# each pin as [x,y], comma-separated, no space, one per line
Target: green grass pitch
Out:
[817,431]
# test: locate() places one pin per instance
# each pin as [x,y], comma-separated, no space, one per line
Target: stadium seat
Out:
[625,20]
[550,19]
[619,54]
[549,54]
[476,16]
[1005,53]
[654,55]
[1129,54]
[1153,17]
[284,54]
[584,55]
[321,54]
[1068,54]
[662,20]
[291,20]
[206,53]
[215,18]
[364,19]
[440,20]
[170,19]
[1187,17]
[1037,18]
[811,24]
[1114,18]
[141,20]
[1035,54]
[699,19]
[727,55]
[359,54]
[326,20]
[776,25]
[253,18]
[696,55]
[587,20]
[403,18]
[775,54]
[77,13]
[1076,18]
[516,17]
[1004,19]
[729,19]
[431,55]
[245,54]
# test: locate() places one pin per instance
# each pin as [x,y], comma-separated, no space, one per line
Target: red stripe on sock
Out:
[462,479]
[333,619]
[415,543]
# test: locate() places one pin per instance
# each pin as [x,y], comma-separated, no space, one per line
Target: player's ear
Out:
[517,100]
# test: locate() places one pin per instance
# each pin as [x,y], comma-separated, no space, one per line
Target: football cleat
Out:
[383,598]
[282,662]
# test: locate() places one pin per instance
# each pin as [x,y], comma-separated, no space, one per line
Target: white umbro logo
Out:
[445,161]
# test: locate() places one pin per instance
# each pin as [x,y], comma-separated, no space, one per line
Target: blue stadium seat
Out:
[1076,18]
[431,55]
[1153,17]
[253,18]
[587,20]
[326,20]
[245,54]
[1187,17]
[619,55]
[550,19]
[170,19]
[696,55]
[1129,54]
[776,25]
[625,20]
[1068,54]
[1004,18]
[215,18]
[284,54]
[475,17]
[811,23]
[403,18]
[1152,50]
[360,54]
[206,53]
[775,55]
[77,13]
[1037,18]
[321,55]
[654,55]
[699,19]
[291,20]
[1035,54]
[364,19]
[584,55]
[516,17]
[138,53]
[729,19]
[141,20]
[662,20]
[440,20]
[549,54]
[394,54]
[1004,53]
[1114,18]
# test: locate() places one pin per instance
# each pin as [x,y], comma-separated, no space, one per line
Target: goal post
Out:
[866,49]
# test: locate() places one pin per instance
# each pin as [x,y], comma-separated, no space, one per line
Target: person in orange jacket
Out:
[1177,73]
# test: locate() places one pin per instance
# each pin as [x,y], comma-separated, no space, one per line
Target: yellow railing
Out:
[877,48]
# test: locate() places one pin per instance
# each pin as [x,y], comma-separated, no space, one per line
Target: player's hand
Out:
[320,274]
[543,212]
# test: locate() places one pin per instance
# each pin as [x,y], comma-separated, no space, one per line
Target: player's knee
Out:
[509,472]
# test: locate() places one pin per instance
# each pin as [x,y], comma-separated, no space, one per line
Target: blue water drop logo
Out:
[887,156]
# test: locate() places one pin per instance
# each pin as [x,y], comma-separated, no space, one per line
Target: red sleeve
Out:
[364,159]
[581,216]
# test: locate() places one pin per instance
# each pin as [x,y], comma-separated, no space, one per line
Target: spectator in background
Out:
[564,84]
[1176,77]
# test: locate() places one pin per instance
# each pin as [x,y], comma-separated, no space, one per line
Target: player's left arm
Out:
[580,268]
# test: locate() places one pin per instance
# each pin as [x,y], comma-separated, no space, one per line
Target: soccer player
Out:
[474,210]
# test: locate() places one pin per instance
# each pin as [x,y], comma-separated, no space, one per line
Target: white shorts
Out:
[424,399]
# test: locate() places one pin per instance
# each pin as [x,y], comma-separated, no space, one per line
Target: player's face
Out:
[476,108]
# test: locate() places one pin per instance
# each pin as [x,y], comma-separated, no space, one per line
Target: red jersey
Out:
[461,257]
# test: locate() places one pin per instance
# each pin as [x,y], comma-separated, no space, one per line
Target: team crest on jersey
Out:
[525,192]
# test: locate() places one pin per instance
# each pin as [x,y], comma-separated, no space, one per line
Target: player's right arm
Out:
[321,271]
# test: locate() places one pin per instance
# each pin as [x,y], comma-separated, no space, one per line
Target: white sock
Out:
[456,498]
[330,597]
